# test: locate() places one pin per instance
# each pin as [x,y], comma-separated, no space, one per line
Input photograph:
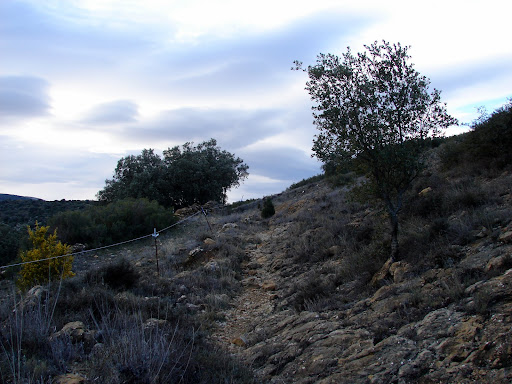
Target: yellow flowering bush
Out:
[44,246]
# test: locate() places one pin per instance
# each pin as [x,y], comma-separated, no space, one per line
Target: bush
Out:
[9,244]
[114,222]
[486,147]
[268,209]
[120,275]
[44,247]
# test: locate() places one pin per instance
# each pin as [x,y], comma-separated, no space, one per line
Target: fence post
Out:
[207,222]
[155,235]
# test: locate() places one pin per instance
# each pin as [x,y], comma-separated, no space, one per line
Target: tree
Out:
[268,209]
[374,107]
[44,264]
[186,175]
[135,176]
[202,173]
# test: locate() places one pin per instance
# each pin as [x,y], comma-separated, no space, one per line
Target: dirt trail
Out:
[257,299]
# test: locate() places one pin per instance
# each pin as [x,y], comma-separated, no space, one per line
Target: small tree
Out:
[44,246]
[376,108]
[268,209]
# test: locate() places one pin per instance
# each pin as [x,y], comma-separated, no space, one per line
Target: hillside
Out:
[306,296]
[4,197]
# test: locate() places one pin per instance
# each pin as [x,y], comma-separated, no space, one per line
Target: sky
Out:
[84,83]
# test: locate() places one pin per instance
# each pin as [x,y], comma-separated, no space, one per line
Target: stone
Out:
[209,241]
[400,271]
[229,226]
[382,277]
[239,341]
[154,323]
[70,378]
[497,264]
[506,237]
[195,252]
[425,191]
[269,286]
[75,330]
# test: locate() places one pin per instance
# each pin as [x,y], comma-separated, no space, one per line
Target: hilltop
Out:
[4,197]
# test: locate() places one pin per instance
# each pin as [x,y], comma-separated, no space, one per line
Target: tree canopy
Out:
[376,108]
[185,175]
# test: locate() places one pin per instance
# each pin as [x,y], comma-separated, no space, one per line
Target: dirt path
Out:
[257,299]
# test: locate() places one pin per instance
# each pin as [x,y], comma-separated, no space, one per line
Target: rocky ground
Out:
[442,325]
[289,310]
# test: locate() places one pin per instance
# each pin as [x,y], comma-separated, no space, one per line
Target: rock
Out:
[400,271]
[498,264]
[269,286]
[33,296]
[382,277]
[209,241]
[506,237]
[195,252]
[425,191]
[154,323]
[75,330]
[212,265]
[77,333]
[229,226]
[239,341]
[70,378]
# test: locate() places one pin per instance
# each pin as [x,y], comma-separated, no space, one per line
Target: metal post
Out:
[155,235]
[207,222]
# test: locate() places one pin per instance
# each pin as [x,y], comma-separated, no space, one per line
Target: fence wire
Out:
[103,247]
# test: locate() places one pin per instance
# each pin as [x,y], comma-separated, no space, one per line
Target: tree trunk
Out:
[394,236]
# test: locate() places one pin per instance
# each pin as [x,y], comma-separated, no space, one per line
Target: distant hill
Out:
[4,197]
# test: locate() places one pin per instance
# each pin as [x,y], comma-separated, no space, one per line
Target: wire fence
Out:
[154,234]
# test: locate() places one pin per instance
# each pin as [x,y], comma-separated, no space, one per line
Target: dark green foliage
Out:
[27,212]
[119,275]
[304,182]
[186,175]
[268,209]
[376,108]
[9,243]
[111,223]
[487,147]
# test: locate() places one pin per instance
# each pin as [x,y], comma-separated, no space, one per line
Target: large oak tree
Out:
[185,175]
[376,108]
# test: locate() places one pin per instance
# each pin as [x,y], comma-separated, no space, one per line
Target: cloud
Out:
[114,112]
[250,68]
[231,127]
[472,74]
[63,42]
[280,163]
[23,97]
[31,166]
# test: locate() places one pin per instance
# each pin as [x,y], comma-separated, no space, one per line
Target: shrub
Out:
[119,275]
[9,244]
[44,247]
[118,221]
[268,209]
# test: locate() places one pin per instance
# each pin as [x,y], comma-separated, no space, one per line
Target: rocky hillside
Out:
[306,296]
[310,312]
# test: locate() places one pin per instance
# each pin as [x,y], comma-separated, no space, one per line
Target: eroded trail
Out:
[246,316]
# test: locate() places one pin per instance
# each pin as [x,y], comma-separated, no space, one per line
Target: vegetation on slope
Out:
[325,256]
